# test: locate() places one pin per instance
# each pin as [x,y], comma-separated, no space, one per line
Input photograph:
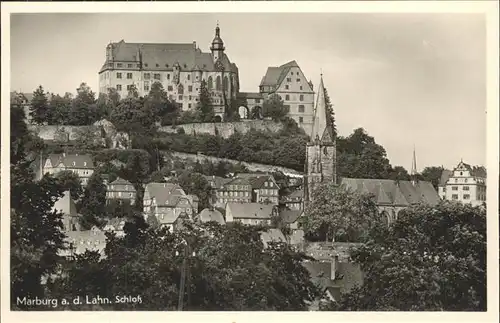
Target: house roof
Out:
[217,181]
[275,75]
[295,195]
[72,160]
[256,180]
[237,181]
[290,216]
[162,190]
[65,205]
[272,235]
[207,215]
[389,192]
[250,210]
[93,239]
[163,57]
[124,186]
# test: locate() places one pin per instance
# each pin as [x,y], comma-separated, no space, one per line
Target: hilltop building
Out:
[289,82]
[464,184]
[81,165]
[24,99]
[180,68]
[121,190]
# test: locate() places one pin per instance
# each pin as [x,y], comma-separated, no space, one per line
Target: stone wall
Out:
[253,167]
[225,129]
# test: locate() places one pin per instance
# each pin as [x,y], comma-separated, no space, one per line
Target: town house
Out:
[121,190]
[250,213]
[81,165]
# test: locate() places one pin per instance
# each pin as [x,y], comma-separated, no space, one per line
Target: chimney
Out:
[194,44]
[64,154]
[335,261]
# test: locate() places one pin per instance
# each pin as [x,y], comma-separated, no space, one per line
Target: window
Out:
[466,196]
[189,105]
[185,66]
[461,173]
[301,108]
[181,106]
[180,97]
[146,65]
[466,188]
[129,65]
[156,76]
[157,65]
[289,79]
[454,196]
[301,97]
[286,106]
[170,88]
[301,88]
[465,180]
[190,88]
[166,65]
[118,75]
[119,65]
[287,97]
[291,73]
[189,77]
[454,188]
[129,87]
[257,100]
[147,76]
[298,80]
[118,87]
[456,180]
[190,98]
[287,87]
[129,76]
[146,86]
[301,119]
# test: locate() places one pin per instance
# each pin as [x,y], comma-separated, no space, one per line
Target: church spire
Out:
[414,167]
[321,129]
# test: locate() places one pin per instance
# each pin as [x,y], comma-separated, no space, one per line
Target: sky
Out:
[410,80]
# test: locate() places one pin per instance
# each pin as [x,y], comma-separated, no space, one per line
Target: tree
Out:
[331,112]
[432,174]
[163,110]
[196,184]
[84,108]
[204,106]
[340,214]
[226,268]
[274,108]
[39,108]
[399,173]
[431,258]
[131,117]
[59,108]
[35,229]
[89,138]
[69,181]
[359,156]
[132,92]
[93,206]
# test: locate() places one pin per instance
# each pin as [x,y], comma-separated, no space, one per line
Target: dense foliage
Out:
[431,258]
[339,214]
[226,268]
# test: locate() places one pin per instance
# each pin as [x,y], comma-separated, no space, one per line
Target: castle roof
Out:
[163,57]
[275,75]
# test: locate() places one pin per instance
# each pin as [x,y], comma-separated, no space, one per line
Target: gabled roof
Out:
[389,192]
[217,181]
[121,182]
[207,215]
[290,216]
[445,175]
[250,210]
[272,235]
[72,160]
[275,75]
[159,190]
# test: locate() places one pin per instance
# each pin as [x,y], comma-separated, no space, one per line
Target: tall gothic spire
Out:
[321,129]
[414,167]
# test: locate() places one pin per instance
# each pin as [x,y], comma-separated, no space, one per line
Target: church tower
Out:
[217,45]
[321,151]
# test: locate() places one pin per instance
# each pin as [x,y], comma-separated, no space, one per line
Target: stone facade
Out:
[321,152]
[180,68]
[225,129]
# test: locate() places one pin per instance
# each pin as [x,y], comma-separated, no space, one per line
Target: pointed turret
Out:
[414,167]
[322,129]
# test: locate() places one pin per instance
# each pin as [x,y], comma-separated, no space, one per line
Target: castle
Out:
[180,68]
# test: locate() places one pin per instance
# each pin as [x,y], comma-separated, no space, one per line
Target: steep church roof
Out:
[322,128]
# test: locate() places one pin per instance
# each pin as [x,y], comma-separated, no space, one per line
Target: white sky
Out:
[408,79]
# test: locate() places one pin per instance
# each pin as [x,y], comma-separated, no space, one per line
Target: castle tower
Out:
[321,154]
[217,45]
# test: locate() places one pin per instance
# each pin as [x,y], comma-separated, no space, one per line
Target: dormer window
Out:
[84,163]
[461,173]
[74,163]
